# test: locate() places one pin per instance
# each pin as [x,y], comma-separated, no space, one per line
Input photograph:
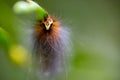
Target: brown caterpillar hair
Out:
[49,47]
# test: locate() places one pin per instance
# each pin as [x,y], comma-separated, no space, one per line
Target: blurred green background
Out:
[94,29]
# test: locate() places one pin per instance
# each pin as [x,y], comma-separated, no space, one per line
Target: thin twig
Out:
[28,0]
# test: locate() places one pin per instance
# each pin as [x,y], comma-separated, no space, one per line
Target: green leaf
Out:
[23,7]
[5,40]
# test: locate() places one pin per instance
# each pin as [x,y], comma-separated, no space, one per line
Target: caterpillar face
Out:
[47,23]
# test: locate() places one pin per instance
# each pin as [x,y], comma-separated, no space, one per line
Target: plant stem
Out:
[28,0]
